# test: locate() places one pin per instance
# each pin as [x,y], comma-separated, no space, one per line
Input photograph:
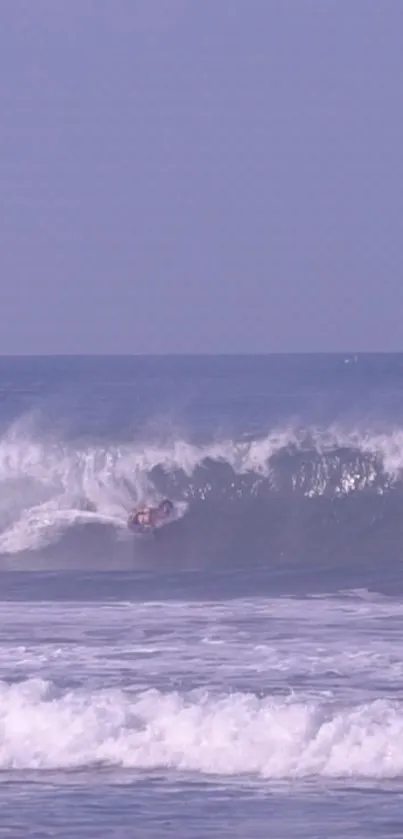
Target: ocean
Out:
[237,673]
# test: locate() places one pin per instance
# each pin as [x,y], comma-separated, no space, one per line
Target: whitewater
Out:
[240,672]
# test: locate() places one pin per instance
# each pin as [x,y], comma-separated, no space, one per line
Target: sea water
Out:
[240,673]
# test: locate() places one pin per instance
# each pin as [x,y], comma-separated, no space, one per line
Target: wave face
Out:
[287,493]
[265,463]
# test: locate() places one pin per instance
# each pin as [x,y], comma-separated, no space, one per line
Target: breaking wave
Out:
[289,491]
[44,727]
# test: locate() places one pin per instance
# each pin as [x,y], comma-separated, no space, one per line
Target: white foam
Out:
[227,735]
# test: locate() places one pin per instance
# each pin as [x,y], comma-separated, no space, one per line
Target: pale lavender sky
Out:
[200,176]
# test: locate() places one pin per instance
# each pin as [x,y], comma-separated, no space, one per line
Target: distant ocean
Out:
[240,673]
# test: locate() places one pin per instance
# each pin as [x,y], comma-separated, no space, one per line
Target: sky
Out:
[195,177]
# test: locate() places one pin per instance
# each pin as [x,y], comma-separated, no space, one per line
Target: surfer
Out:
[150,517]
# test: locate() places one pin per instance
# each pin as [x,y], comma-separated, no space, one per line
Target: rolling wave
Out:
[234,735]
[290,491]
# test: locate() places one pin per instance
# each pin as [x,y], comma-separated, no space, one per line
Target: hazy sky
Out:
[201,175]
